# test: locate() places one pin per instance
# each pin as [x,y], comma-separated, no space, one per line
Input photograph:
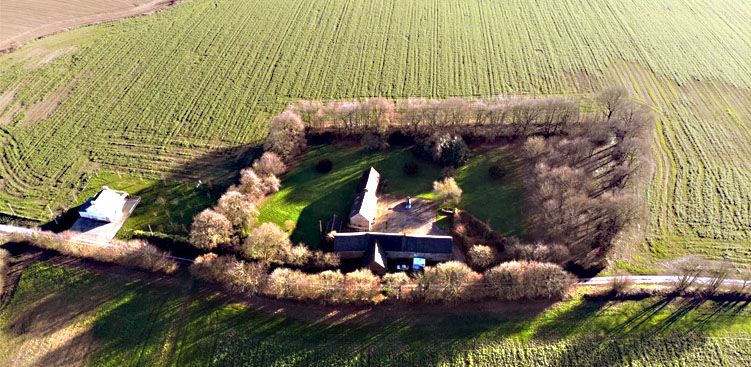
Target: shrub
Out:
[325,260]
[268,243]
[135,253]
[361,286]
[514,281]
[269,164]
[289,225]
[481,256]
[496,171]
[411,168]
[394,284]
[451,150]
[534,147]
[324,166]
[452,281]
[540,252]
[209,230]
[447,191]
[235,275]
[328,286]
[143,255]
[621,284]
[374,141]
[298,255]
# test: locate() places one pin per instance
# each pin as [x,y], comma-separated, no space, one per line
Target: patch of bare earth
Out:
[24,20]
[7,97]
[45,107]
[394,217]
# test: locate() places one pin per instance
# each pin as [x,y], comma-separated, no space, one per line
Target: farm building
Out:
[377,248]
[106,206]
[365,205]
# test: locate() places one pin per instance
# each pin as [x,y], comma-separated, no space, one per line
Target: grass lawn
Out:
[72,316]
[308,196]
[168,206]
[497,201]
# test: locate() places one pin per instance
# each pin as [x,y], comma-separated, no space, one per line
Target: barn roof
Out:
[393,242]
[366,202]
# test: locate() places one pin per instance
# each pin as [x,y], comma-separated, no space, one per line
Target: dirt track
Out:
[24,20]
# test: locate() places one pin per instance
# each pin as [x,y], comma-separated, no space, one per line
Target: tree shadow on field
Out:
[60,305]
[648,330]
[217,169]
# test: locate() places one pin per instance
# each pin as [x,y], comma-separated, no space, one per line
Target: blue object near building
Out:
[418,263]
[409,203]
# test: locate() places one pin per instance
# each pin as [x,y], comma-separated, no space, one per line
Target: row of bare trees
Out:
[486,118]
[134,253]
[446,282]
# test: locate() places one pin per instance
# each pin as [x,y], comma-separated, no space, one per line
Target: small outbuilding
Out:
[106,206]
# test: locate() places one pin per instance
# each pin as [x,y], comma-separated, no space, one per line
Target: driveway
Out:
[394,217]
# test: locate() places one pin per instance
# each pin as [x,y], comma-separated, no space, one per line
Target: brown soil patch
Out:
[7,97]
[45,107]
[22,21]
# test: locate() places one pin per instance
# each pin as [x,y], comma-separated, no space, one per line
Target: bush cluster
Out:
[411,168]
[445,149]
[135,253]
[324,166]
[497,171]
[513,281]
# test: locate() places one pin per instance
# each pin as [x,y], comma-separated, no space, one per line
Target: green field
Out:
[308,196]
[181,93]
[63,315]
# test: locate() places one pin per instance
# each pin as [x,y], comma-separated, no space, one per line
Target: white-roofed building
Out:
[106,206]
[364,208]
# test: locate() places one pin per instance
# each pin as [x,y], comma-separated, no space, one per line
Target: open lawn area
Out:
[167,205]
[308,196]
[64,313]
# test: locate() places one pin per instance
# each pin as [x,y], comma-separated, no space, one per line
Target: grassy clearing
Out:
[308,196]
[496,201]
[164,94]
[110,321]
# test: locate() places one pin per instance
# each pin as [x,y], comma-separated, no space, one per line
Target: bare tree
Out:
[238,209]
[269,164]
[286,136]
[447,191]
[612,100]
[209,230]
[268,243]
